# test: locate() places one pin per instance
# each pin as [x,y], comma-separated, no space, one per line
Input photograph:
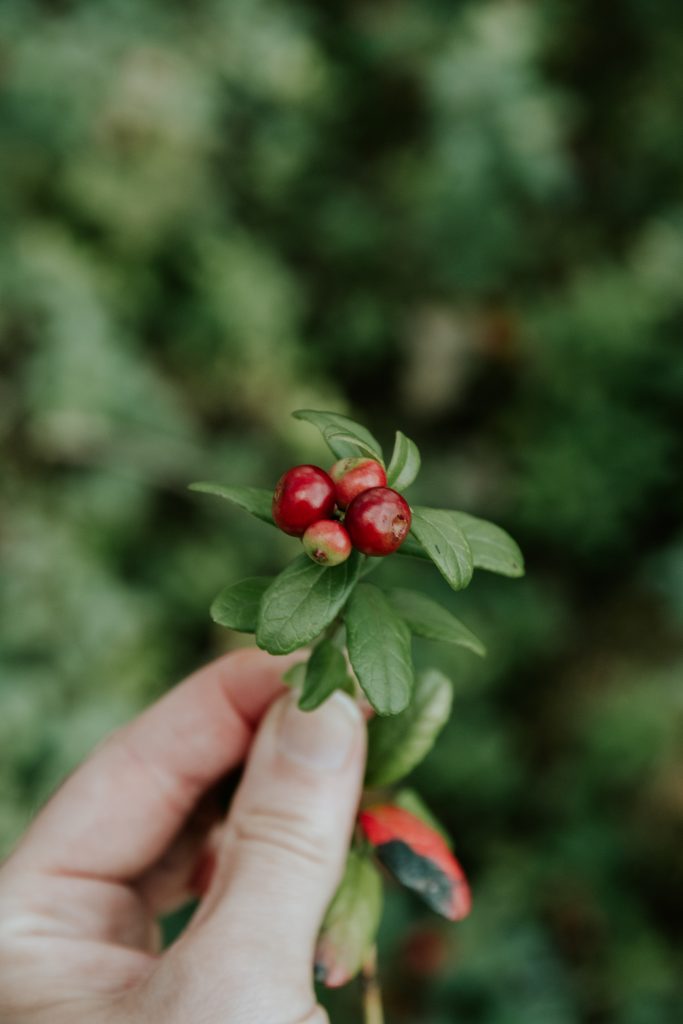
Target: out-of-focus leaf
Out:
[351,922]
[326,672]
[397,744]
[429,619]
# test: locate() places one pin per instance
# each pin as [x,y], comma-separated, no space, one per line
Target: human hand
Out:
[122,839]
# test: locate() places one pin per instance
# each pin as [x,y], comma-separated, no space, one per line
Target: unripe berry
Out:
[378,521]
[327,542]
[303,495]
[353,476]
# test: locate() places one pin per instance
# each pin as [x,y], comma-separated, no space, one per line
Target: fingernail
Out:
[322,738]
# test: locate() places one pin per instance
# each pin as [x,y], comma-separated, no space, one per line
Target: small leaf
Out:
[396,745]
[492,548]
[351,922]
[237,605]
[302,601]
[379,649]
[256,500]
[295,675]
[410,800]
[441,536]
[418,857]
[325,672]
[429,619]
[405,463]
[334,438]
[336,423]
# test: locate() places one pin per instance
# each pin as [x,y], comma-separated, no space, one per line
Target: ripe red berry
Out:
[303,495]
[353,476]
[378,521]
[327,542]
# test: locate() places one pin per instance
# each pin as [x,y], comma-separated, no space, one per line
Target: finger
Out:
[286,841]
[117,813]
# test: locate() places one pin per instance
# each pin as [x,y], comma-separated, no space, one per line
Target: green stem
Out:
[373,1012]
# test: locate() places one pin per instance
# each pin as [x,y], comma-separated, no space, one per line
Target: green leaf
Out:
[405,463]
[439,533]
[302,601]
[396,745]
[429,619]
[379,648]
[351,922]
[492,548]
[256,500]
[334,422]
[325,672]
[295,675]
[334,438]
[410,800]
[237,605]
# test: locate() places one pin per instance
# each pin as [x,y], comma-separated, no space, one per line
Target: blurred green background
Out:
[463,219]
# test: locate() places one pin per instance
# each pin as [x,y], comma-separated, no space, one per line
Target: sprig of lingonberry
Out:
[349,520]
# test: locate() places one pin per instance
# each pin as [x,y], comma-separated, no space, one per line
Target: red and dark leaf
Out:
[418,857]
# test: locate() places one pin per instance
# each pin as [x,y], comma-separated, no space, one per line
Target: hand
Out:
[122,839]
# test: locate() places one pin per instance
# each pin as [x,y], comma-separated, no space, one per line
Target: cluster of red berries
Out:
[349,507]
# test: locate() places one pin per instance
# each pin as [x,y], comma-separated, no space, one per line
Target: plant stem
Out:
[372,992]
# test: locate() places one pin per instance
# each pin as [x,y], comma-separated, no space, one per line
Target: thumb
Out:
[284,852]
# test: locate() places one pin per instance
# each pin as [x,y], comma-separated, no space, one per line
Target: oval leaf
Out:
[429,619]
[418,857]
[350,926]
[492,548]
[302,601]
[396,745]
[325,672]
[439,533]
[410,800]
[256,500]
[334,438]
[405,463]
[379,649]
[237,605]
[334,422]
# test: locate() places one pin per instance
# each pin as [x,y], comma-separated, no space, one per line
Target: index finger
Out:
[116,814]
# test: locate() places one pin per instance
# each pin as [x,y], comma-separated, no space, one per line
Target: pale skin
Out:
[120,841]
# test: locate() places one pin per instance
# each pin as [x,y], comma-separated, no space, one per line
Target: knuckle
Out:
[273,831]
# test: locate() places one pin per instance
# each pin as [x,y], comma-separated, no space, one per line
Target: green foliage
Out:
[325,672]
[405,463]
[351,921]
[440,536]
[379,649]
[343,436]
[302,601]
[396,745]
[252,499]
[431,620]
[237,605]
[460,219]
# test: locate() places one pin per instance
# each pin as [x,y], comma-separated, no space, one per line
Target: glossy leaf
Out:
[237,605]
[492,548]
[335,423]
[351,922]
[418,857]
[326,672]
[405,463]
[379,648]
[442,538]
[302,601]
[256,500]
[429,619]
[397,745]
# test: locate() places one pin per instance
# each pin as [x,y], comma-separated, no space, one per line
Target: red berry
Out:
[303,495]
[378,521]
[353,476]
[327,542]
